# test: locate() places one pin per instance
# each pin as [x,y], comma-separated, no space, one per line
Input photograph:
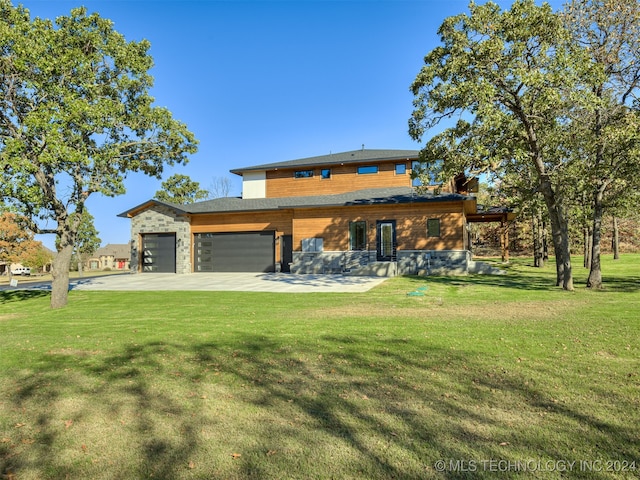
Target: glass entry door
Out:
[386,240]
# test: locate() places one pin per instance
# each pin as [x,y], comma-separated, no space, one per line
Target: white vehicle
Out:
[25,271]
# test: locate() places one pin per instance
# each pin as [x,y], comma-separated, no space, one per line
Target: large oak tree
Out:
[608,133]
[76,116]
[507,81]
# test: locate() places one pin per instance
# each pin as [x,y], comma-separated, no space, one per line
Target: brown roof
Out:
[116,250]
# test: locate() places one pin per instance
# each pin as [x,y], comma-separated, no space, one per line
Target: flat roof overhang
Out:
[488,217]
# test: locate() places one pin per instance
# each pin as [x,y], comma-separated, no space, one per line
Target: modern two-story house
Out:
[355,213]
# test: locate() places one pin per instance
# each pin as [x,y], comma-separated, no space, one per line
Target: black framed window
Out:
[357,235]
[303,174]
[367,169]
[433,227]
[325,173]
[401,168]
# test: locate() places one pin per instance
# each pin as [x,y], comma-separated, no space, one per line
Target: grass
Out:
[496,376]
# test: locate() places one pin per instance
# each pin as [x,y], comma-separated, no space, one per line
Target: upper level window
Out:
[303,174]
[367,169]
[325,173]
[401,168]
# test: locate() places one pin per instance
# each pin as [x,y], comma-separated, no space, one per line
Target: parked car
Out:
[25,271]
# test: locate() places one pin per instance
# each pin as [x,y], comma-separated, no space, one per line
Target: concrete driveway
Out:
[236,282]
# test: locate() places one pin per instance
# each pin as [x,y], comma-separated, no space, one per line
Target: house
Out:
[113,256]
[355,213]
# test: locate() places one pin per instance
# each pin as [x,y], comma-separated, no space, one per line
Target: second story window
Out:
[303,174]
[367,169]
[325,173]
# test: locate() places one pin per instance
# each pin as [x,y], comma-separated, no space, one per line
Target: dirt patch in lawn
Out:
[74,352]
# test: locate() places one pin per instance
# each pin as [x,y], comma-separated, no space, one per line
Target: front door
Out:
[386,240]
[287,252]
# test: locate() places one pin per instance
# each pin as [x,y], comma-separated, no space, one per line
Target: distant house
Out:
[6,267]
[113,256]
[354,213]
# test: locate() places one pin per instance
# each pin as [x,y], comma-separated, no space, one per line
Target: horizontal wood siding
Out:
[277,220]
[332,224]
[344,178]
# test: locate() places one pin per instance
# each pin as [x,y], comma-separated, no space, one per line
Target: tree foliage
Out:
[76,117]
[608,134]
[17,244]
[87,240]
[506,80]
[181,190]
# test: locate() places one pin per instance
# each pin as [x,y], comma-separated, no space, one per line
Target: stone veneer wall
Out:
[409,262]
[433,262]
[159,219]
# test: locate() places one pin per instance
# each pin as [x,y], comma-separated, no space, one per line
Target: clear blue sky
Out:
[269,81]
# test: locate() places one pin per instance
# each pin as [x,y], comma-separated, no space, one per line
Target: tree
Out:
[39,258]
[508,77]
[220,187]
[76,117]
[87,240]
[16,242]
[181,190]
[609,30]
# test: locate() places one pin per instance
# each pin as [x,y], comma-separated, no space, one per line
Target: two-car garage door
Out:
[213,252]
[234,252]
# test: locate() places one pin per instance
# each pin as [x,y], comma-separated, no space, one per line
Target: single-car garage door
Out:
[159,252]
[234,252]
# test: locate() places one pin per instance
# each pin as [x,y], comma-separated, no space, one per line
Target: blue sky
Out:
[268,81]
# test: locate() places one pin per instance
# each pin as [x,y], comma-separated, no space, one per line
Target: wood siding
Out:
[275,220]
[332,224]
[344,178]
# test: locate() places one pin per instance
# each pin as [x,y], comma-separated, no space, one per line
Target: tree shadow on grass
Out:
[8,296]
[530,280]
[330,406]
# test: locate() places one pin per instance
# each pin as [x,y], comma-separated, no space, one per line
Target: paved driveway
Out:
[240,282]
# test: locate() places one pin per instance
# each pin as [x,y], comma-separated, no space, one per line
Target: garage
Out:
[234,252]
[159,252]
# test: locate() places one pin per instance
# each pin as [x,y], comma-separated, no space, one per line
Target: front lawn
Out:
[436,377]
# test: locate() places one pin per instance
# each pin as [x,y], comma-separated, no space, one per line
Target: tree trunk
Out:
[536,247]
[588,243]
[60,274]
[538,240]
[545,244]
[559,235]
[615,241]
[60,270]
[595,273]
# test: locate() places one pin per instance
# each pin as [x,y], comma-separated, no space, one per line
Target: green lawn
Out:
[502,376]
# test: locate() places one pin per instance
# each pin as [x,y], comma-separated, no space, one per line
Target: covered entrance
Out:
[234,252]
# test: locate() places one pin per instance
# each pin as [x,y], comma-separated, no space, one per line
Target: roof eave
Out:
[132,212]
